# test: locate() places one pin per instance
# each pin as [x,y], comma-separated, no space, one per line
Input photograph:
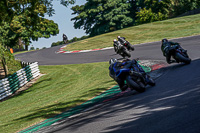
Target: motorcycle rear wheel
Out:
[127,53]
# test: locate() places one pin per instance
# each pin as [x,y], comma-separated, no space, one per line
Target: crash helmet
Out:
[112,61]
[164,40]
[118,37]
[114,40]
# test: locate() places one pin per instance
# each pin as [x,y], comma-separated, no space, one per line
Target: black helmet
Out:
[112,61]
[164,40]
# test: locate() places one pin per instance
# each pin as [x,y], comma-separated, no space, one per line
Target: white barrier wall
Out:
[14,82]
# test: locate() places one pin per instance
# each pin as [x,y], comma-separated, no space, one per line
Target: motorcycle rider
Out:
[115,66]
[65,39]
[116,45]
[123,41]
[168,48]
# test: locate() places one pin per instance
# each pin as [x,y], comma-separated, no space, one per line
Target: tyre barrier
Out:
[11,84]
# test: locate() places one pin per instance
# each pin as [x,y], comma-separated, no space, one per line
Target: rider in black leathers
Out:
[65,39]
[168,49]
[116,66]
[123,41]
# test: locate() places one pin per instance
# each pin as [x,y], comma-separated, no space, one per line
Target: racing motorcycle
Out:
[135,79]
[180,55]
[129,46]
[122,50]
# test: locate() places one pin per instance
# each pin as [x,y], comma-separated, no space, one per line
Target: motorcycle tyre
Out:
[132,48]
[133,85]
[127,53]
[181,58]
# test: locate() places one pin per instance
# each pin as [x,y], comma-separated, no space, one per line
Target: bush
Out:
[146,16]
[57,43]
[12,64]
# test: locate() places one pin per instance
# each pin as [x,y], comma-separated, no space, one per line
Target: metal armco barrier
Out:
[11,84]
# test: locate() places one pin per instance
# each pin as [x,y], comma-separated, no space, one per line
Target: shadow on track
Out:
[171,106]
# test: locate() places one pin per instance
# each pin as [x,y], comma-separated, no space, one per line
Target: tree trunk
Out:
[5,67]
[26,47]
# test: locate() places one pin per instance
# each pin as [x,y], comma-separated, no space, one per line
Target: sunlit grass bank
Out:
[61,88]
[172,28]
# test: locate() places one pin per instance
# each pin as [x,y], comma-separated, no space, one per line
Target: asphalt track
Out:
[143,52]
[172,106]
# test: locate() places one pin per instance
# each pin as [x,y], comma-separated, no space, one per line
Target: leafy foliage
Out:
[12,64]
[145,16]
[70,41]
[177,7]
[7,36]
[57,43]
[100,16]
[24,19]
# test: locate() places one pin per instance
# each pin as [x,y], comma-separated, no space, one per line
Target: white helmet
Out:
[118,37]
[114,40]
[112,61]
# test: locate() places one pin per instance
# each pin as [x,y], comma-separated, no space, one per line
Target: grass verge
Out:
[20,52]
[171,28]
[62,88]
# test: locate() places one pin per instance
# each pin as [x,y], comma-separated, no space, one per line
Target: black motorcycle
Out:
[129,46]
[180,55]
[122,50]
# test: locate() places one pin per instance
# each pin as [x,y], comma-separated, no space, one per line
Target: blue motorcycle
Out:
[134,78]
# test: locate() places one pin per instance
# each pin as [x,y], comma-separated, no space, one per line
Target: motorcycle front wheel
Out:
[132,48]
[181,58]
[139,87]
[151,82]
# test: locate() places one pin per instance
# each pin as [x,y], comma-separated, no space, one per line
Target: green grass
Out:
[66,86]
[62,87]
[171,28]
[20,52]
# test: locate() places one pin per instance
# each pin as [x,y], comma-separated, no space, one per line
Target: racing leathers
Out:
[123,41]
[114,68]
[168,48]
[116,45]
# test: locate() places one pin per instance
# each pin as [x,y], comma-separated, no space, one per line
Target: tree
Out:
[25,19]
[35,8]
[100,16]
[146,16]
[57,43]
[174,8]
[7,36]
[3,52]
